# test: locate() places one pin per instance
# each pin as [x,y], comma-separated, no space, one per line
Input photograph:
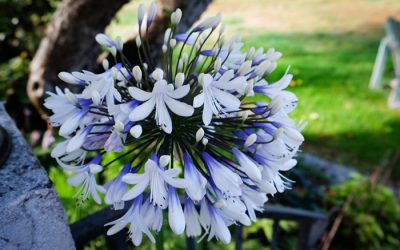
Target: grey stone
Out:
[31,214]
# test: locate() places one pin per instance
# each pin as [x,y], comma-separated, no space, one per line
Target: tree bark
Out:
[69,43]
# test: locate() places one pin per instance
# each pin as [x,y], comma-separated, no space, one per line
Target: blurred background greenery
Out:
[330,46]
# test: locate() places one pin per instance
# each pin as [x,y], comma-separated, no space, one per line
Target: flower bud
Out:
[120,44]
[105,64]
[164,48]
[164,160]
[167,35]
[244,68]
[95,96]
[157,74]
[140,14]
[152,13]
[137,73]
[185,57]
[180,65]
[176,16]
[113,51]
[95,168]
[179,79]
[220,203]
[199,134]
[245,115]
[217,64]
[71,97]
[172,43]
[271,67]
[204,141]
[250,53]
[294,134]
[249,88]
[69,78]
[138,41]
[136,131]
[277,104]
[200,79]
[250,140]
[222,29]
[278,133]
[114,72]
[119,126]
[262,67]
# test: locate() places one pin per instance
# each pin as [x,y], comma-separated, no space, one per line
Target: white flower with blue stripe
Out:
[202,137]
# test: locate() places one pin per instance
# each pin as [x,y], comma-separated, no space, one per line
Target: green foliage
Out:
[373,218]
[22,23]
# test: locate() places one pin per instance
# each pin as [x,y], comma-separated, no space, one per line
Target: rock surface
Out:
[31,214]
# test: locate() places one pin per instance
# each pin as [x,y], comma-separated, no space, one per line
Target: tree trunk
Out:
[69,43]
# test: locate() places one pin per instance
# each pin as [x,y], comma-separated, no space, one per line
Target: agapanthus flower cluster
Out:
[201,137]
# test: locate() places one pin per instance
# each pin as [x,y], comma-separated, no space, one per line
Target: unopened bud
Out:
[244,68]
[250,53]
[185,57]
[278,133]
[157,74]
[105,64]
[70,96]
[204,141]
[137,73]
[245,115]
[136,131]
[166,35]
[217,64]
[294,134]
[249,88]
[180,65]
[201,78]
[179,79]
[113,51]
[120,44]
[164,48]
[277,104]
[220,204]
[95,168]
[199,134]
[114,73]
[138,41]
[164,160]
[172,43]
[140,13]
[250,140]
[176,16]
[119,126]
[95,96]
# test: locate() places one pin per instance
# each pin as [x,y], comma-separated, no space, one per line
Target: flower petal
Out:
[226,99]
[179,108]
[198,100]
[136,190]
[143,110]
[139,94]
[179,92]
